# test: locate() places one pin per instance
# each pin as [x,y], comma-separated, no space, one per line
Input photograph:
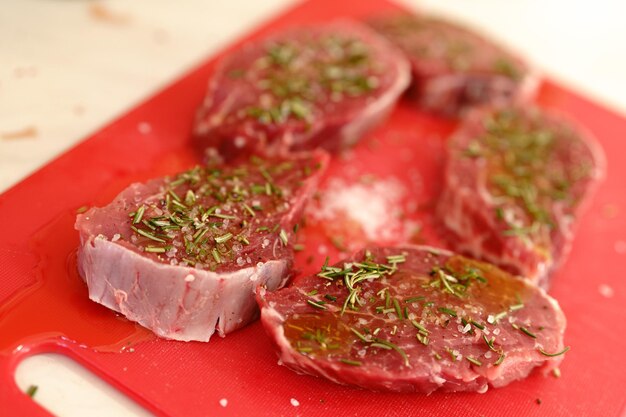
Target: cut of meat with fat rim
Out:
[454,68]
[414,319]
[183,256]
[515,182]
[300,89]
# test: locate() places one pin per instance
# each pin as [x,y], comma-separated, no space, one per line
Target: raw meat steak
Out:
[303,88]
[454,68]
[514,183]
[182,256]
[414,319]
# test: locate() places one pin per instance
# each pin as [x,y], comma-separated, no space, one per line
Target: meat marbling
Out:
[302,88]
[414,319]
[182,256]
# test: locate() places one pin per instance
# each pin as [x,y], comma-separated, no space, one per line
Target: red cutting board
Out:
[44,305]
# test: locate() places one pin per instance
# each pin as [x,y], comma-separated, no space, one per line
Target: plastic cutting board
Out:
[44,305]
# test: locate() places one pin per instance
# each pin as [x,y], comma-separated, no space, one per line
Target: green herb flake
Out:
[224,238]
[474,361]
[148,235]
[155,249]
[396,306]
[447,311]
[490,342]
[543,352]
[32,390]
[419,327]
[216,256]
[317,304]
[422,339]
[283,237]
[249,210]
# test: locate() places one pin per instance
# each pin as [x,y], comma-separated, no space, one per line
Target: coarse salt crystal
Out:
[240,142]
[294,402]
[265,243]
[606,291]
[467,328]
[223,402]
[190,278]
[496,331]
[115,237]
[488,354]
[491,319]
[373,206]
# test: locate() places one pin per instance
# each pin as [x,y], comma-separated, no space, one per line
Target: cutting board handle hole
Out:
[65,388]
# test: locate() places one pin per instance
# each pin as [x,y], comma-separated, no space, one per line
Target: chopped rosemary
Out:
[139,214]
[474,361]
[147,234]
[354,273]
[478,325]
[216,255]
[359,335]
[419,327]
[224,238]
[490,342]
[396,306]
[32,390]
[155,249]
[447,311]
[317,304]
[543,352]
[249,210]
[206,208]
[500,359]
[525,331]
[350,362]
[422,339]
[283,237]
[223,216]
[499,316]
[389,345]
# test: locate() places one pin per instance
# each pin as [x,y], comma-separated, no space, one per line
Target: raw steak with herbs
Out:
[454,68]
[183,256]
[414,319]
[514,183]
[302,88]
